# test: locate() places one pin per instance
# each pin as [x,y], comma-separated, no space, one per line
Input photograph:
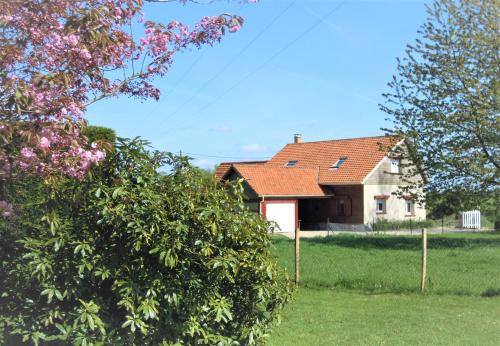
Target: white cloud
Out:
[254,148]
[205,163]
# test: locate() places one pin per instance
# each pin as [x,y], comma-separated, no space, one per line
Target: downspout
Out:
[260,205]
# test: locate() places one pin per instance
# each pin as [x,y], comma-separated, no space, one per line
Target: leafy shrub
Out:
[131,256]
[99,133]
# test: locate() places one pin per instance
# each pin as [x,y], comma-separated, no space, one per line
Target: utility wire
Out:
[235,58]
[172,89]
[226,157]
[260,67]
[186,73]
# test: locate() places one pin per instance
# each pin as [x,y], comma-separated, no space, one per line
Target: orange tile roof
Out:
[363,154]
[224,167]
[281,181]
[312,171]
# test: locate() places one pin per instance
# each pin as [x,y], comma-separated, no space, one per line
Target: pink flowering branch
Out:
[57,57]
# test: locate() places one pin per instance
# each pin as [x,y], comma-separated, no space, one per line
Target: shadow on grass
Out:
[399,242]
[357,286]
[490,293]
[368,288]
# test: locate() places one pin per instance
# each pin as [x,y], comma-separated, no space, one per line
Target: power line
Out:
[186,73]
[214,77]
[260,67]
[226,157]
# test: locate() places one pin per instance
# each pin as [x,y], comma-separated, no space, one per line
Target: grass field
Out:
[365,291]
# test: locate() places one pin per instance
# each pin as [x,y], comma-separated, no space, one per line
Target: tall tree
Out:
[60,56]
[57,57]
[444,98]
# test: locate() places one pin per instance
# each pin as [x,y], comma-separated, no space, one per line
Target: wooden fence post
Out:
[424,258]
[297,255]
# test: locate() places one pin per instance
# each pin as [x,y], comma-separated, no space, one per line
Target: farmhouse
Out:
[340,184]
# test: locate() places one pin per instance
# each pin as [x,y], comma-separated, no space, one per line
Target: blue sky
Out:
[289,70]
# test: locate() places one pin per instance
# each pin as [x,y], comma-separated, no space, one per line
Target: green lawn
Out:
[364,291]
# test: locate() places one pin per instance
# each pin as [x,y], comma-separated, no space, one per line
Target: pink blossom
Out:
[86,155]
[234,28]
[27,153]
[73,40]
[99,155]
[6,209]
[84,53]
[44,143]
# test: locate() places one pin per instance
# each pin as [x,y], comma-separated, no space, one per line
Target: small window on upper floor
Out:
[339,163]
[409,207]
[395,166]
[291,163]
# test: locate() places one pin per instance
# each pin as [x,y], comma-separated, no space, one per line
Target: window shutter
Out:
[348,207]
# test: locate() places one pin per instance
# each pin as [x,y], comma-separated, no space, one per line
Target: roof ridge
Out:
[342,139]
[281,166]
[242,162]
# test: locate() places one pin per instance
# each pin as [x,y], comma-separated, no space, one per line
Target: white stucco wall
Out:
[395,207]
[382,183]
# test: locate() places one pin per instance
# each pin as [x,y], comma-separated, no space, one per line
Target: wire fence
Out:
[457,263]
[411,225]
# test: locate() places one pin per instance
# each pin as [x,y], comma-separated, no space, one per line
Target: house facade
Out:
[333,183]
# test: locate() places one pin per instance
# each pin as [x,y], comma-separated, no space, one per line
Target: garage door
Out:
[283,214]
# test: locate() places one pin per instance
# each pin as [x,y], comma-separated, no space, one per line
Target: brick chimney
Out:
[297,138]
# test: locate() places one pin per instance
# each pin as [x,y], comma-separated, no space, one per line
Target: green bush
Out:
[133,257]
[99,133]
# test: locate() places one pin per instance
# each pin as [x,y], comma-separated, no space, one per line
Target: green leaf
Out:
[127,323]
[117,192]
[58,295]
[90,320]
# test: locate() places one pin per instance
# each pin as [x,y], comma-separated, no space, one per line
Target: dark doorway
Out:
[314,213]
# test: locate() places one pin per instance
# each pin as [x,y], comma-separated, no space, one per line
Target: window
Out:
[339,162]
[380,206]
[291,163]
[344,206]
[341,207]
[409,207]
[394,166]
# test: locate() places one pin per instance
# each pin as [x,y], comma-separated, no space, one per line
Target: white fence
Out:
[471,219]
